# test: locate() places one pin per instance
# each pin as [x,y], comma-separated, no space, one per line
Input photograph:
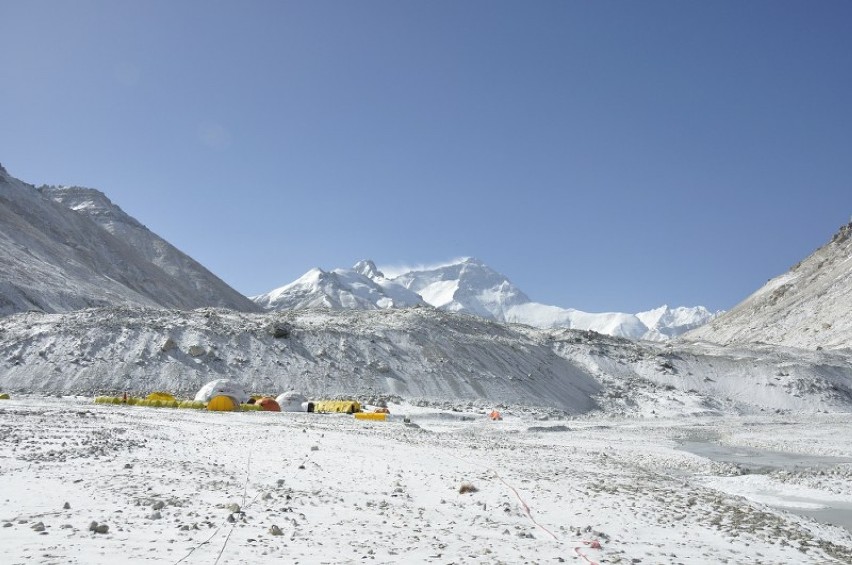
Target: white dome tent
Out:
[222,387]
[291,401]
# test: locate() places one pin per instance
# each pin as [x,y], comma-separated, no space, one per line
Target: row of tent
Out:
[224,395]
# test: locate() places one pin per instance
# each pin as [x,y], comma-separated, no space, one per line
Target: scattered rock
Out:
[102,529]
[93,526]
[38,527]
[233,508]
[279,330]
[66,506]
[196,351]
[466,488]
[275,530]
[159,505]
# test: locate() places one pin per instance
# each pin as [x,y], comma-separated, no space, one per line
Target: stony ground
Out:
[102,484]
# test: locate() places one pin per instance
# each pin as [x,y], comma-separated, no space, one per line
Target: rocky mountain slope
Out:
[469,286]
[419,354]
[810,306]
[55,258]
[192,278]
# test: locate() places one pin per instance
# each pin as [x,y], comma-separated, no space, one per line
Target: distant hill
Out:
[469,286]
[809,306]
[64,249]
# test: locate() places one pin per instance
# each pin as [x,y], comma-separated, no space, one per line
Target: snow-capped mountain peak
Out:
[368,269]
[671,322]
[469,286]
[362,287]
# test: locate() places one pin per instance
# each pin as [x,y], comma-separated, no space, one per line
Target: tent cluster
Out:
[224,395]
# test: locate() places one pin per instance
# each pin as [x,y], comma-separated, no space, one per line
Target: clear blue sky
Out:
[606,156]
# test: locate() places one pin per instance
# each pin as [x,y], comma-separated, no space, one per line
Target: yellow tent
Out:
[345,406]
[160,396]
[376,416]
[222,404]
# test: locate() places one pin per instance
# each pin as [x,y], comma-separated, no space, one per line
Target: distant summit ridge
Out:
[468,286]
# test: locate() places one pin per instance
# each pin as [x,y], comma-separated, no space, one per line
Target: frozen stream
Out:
[825,509]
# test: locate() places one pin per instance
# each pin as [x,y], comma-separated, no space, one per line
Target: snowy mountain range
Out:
[810,306]
[469,286]
[116,308]
[64,249]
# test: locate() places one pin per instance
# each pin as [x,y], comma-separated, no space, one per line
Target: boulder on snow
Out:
[279,330]
[196,351]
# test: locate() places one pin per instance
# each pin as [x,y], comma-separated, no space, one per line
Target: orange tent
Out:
[495,415]
[381,410]
[268,404]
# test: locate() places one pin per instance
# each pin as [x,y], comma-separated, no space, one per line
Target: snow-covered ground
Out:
[184,486]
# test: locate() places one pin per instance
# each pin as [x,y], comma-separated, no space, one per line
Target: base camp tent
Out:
[345,406]
[268,404]
[291,401]
[222,403]
[222,387]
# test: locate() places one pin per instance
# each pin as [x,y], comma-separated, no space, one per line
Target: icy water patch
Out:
[760,460]
[818,506]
